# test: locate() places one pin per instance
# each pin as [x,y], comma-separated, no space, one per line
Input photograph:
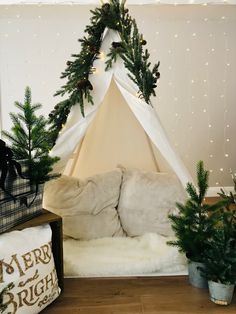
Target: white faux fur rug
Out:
[122,256]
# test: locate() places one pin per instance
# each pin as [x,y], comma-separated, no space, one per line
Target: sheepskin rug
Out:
[147,254]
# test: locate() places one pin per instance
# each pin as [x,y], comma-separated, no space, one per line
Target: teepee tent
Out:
[73,133]
[77,137]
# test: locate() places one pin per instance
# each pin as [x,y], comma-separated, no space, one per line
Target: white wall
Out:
[195,44]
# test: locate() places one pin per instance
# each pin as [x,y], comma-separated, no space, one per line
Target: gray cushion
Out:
[146,199]
[88,206]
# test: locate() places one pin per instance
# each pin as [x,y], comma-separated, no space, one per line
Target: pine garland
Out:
[115,16]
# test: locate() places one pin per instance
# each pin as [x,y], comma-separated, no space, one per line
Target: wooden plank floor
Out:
[149,295]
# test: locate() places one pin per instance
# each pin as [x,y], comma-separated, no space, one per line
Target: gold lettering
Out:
[31,293]
[22,295]
[37,255]
[46,253]
[27,260]
[49,279]
[9,268]
[10,302]
[39,292]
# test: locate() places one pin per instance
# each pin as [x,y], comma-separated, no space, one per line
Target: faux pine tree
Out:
[29,139]
[220,257]
[195,222]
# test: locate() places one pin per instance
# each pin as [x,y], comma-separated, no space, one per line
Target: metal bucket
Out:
[195,277]
[220,293]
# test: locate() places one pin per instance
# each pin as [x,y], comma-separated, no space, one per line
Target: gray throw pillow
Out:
[146,199]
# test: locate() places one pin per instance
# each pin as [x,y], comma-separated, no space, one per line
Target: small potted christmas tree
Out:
[194,225]
[220,258]
[30,142]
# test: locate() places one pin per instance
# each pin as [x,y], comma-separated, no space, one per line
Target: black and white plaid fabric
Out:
[16,212]
[15,185]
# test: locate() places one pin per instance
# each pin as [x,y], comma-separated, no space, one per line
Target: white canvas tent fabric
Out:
[73,132]
[115,137]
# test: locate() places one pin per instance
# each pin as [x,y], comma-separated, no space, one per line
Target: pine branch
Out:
[115,16]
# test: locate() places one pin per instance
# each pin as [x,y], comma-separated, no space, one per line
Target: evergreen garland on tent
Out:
[115,16]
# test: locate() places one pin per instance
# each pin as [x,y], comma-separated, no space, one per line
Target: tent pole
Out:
[75,155]
[151,148]
[152,152]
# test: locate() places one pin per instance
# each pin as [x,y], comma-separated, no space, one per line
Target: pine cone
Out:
[116,45]
[106,7]
[143,42]
[82,84]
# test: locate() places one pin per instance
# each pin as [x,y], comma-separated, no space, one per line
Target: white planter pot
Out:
[220,293]
[195,277]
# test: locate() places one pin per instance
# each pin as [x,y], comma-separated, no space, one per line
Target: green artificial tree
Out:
[113,15]
[220,256]
[230,197]
[194,224]
[30,140]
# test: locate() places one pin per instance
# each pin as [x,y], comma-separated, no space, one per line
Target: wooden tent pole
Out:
[75,157]
[152,152]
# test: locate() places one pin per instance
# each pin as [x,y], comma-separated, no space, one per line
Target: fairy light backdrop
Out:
[195,44]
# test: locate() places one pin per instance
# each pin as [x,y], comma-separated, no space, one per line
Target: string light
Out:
[222,95]
[102,55]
